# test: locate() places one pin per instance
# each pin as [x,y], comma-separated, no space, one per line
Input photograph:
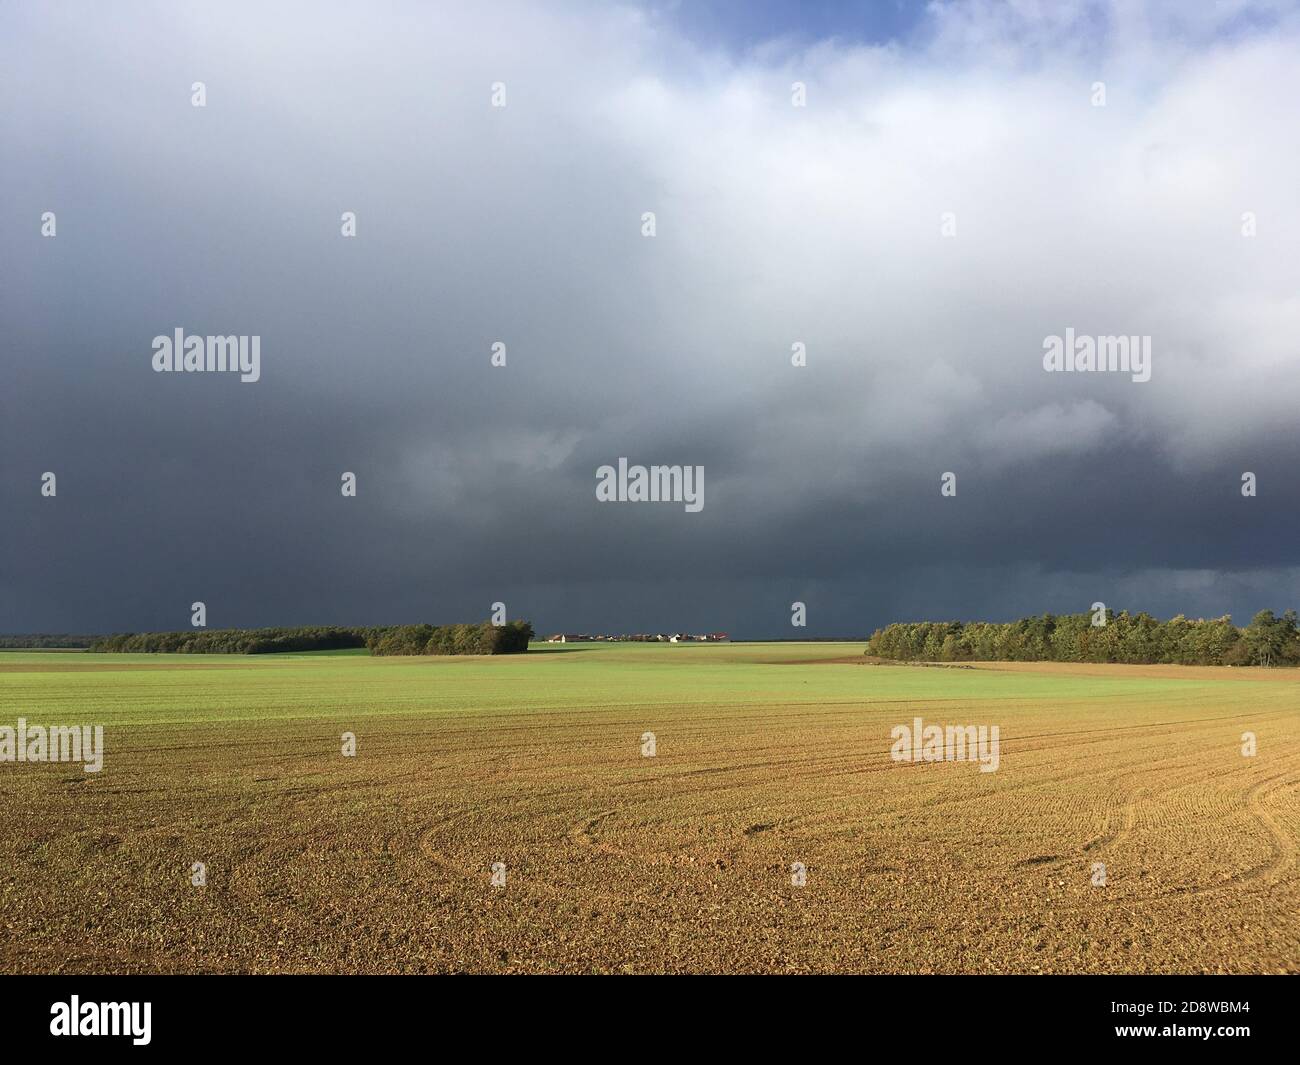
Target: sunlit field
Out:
[771,764]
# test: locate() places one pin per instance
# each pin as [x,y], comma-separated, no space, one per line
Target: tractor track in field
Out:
[429,846]
[1118,823]
[1283,846]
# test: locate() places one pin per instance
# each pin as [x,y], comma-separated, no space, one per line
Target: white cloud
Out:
[1050,430]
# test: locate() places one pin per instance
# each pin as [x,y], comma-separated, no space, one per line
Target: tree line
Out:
[482,639]
[1106,636]
[234,641]
[46,639]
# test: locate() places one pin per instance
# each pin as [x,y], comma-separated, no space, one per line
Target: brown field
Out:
[676,863]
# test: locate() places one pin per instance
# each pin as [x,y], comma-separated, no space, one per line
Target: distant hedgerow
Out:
[46,639]
[234,641]
[1133,638]
[483,639]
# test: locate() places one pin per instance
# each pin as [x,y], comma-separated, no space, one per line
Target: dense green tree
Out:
[1272,640]
[486,638]
[1137,638]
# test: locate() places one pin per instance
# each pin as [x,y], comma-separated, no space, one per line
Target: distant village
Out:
[641,637]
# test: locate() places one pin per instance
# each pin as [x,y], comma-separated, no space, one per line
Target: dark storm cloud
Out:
[775,224]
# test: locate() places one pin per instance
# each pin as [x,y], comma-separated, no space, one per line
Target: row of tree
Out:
[47,639]
[235,641]
[1100,637]
[483,639]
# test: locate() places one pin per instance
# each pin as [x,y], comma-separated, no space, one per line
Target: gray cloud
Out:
[775,224]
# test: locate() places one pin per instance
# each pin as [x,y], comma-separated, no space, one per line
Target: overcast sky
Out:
[775,224]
